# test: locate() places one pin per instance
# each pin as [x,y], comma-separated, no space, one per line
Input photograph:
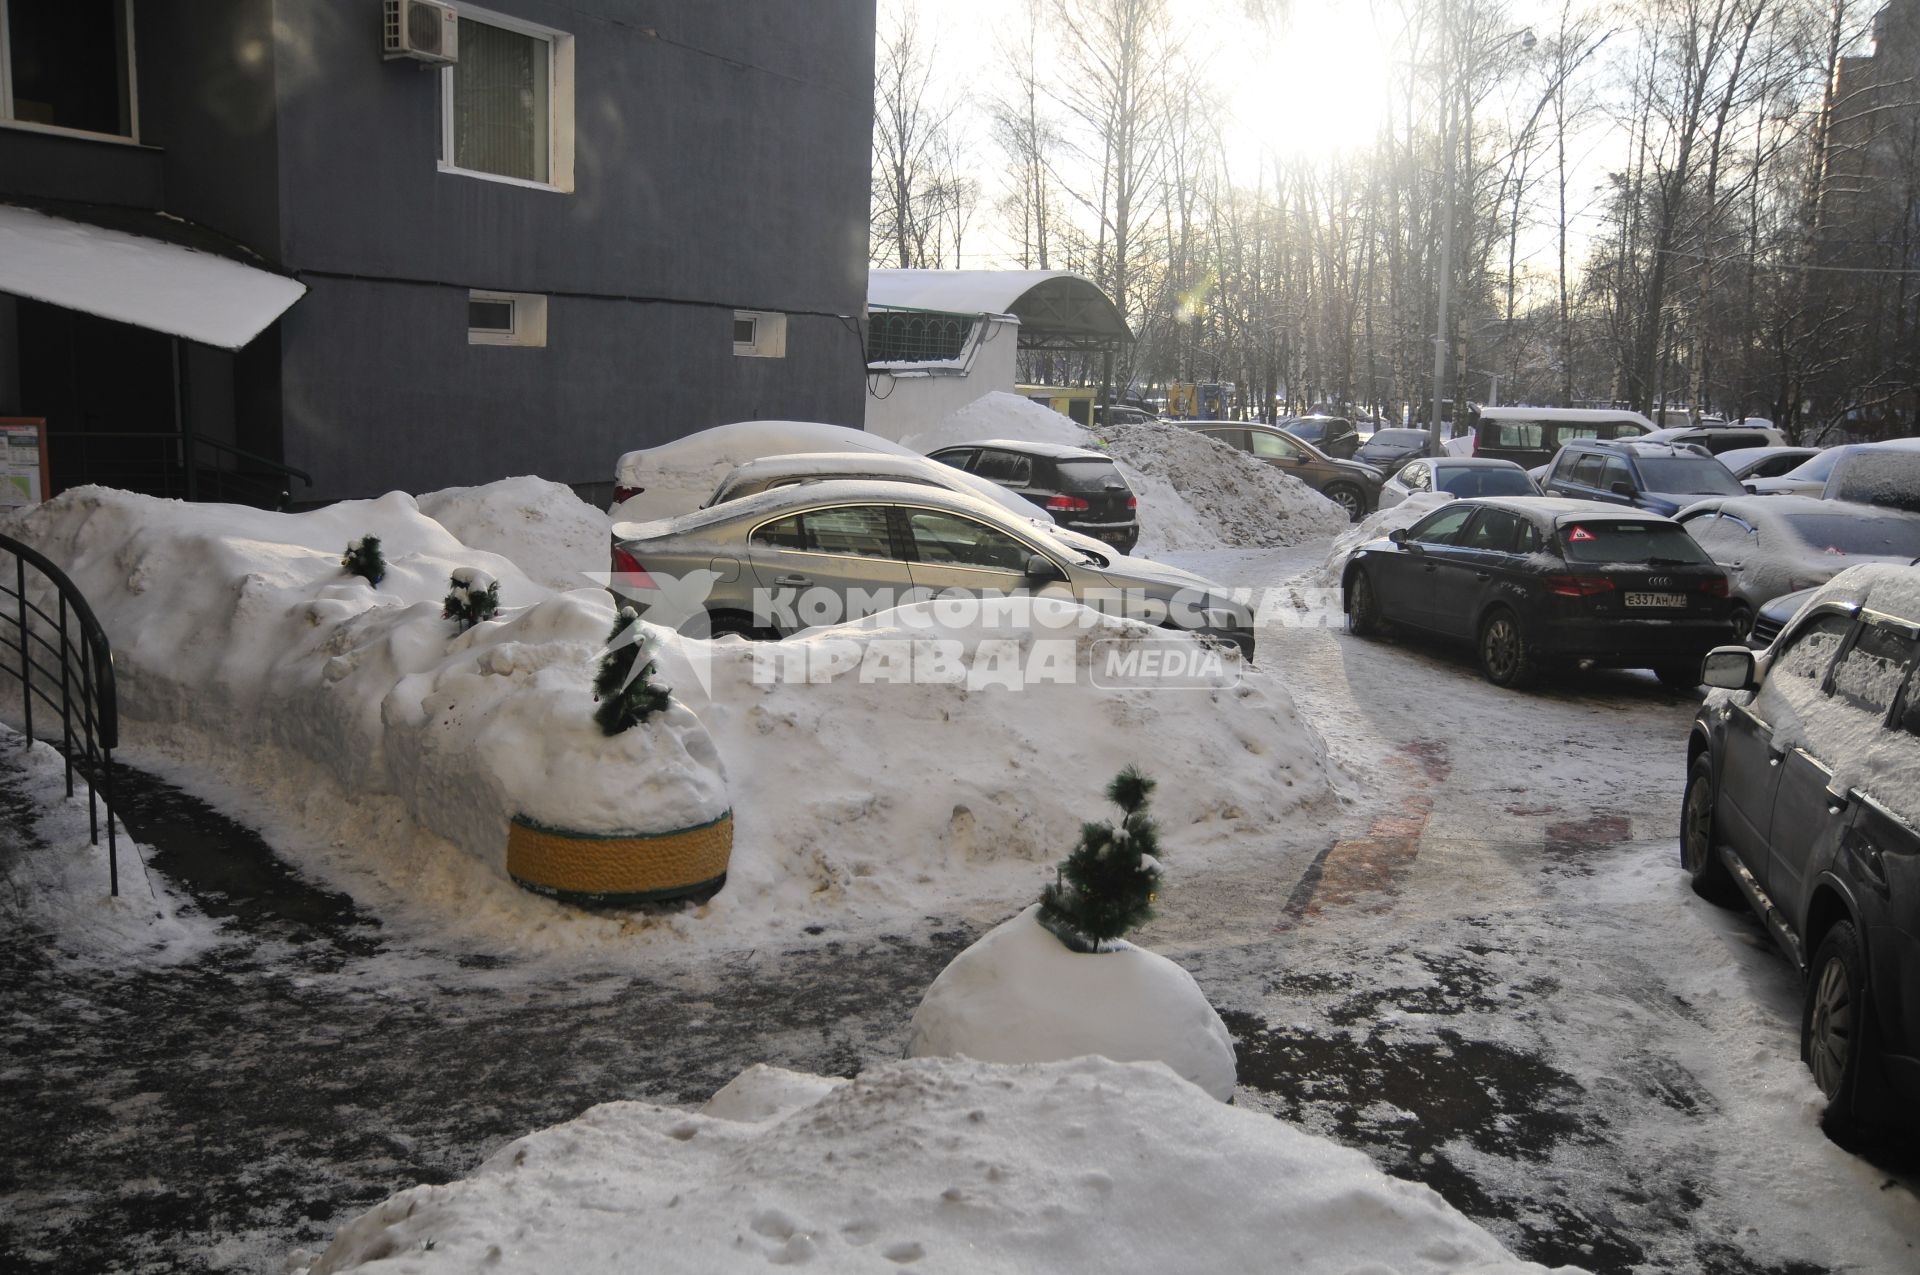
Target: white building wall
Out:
[908,398]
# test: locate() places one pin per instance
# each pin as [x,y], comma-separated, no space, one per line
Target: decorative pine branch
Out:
[1107,884]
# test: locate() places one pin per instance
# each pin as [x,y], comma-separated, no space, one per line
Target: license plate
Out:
[1656,599]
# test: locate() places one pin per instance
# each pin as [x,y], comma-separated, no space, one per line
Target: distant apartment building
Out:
[395,244]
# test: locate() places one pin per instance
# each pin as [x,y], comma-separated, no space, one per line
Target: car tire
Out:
[1740,615]
[738,624]
[1835,1026]
[1363,606]
[1349,498]
[1678,677]
[1706,870]
[1507,655]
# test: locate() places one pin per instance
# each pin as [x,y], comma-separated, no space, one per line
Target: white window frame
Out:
[529,319]
[769,335]
[129,138]
[559,104]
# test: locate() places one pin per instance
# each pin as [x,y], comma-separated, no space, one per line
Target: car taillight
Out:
[1714,586]
[626,493]
[1572,586]
[1473,443]
[1133,502]
[628,571]
[1067,504]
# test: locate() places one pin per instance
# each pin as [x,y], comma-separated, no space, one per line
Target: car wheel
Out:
[1706,871]
[1678,677]
[1363,606]
[1833,1028]
[1506,656]
[1349,499]
[738,624]
[1741,617]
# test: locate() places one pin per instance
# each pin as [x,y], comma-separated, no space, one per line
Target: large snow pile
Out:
[240,625]
[1018,995]
[1087,1167]
[1001,415]
[678,477]
[1235,500]
[877,770]
[540,526]
[1373,527]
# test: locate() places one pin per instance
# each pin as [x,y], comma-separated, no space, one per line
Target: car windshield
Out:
[1633,542]
[1889,536]
[1817,469]
[1399,438]
[1312,431]
[1878,476]
[1482,480]
[1091,474]
[1688,476]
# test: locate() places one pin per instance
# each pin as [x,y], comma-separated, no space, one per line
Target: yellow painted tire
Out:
[580,867]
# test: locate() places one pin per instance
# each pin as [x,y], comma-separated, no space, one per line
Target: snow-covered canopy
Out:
[135,279]
[1053,306]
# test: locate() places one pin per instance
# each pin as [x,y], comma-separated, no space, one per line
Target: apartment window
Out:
[506,318]
[68,64]
[759,334]
[507,104]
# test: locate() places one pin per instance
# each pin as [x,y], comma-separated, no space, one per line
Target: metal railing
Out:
[64,660]
[171,465]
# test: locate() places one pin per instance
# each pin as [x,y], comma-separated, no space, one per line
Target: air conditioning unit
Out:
[423,31]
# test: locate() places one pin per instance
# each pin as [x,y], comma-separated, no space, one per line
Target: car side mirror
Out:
[1398,535]
[1041,567]
[1622,489]
[1728,667]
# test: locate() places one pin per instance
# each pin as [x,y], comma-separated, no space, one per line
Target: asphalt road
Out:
[1483,969]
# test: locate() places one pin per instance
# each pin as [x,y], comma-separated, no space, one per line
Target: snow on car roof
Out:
[1562,509]
[1473,462]
[832,491]
[1053,451]
[742,441]
[1576,415]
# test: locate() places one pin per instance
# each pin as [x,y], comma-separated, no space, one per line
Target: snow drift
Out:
[1374,526]
[1086,1166]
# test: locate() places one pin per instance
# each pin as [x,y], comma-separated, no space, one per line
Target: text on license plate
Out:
[1656,599]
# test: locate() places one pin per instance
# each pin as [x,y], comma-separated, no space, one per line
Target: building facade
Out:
[604,226]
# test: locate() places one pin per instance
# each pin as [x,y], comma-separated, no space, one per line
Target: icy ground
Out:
[1483,969]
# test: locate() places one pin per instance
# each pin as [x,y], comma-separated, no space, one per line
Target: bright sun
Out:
[1316,89]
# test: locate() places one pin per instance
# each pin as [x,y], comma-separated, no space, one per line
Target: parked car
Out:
[1661,477]
[1352,486]
[1720,438]
[1457,476]
[1083,490]
[1766,462]
[1801,799]
[673,478]
[1530,436]
[1531,581]
[812,467]
[856,548]
[1808,479]
[1770,545]
[1121,414]
[1882,474]
[1334,435]
[1389,449]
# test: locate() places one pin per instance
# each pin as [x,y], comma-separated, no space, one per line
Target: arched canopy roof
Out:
[1057,310]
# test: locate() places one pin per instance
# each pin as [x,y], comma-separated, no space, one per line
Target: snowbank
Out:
[1231,499]
[541,527]
[1001,415]
[1087,1166]
[1018,995]
[1374,526]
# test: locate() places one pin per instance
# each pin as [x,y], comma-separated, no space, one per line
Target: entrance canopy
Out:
[1057,310]
[151,280]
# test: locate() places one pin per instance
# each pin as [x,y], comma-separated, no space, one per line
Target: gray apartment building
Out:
[395,244]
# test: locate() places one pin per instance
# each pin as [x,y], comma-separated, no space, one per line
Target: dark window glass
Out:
[1414,478]
[1529,435]
[1870,673]
[1688,476]
[743,331]
[1265,444]
[1089,475]
[1615,471]
[783,533]
[1587,470]
[1890,535]
[1496,529]
[490,316]
[1478,481]
[958,457]
[1631,542]
[1442,528]
[947,540]
[1005,467]
[69,64]
[1398,438]
[853,531]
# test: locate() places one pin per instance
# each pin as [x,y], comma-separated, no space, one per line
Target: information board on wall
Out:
[23,461]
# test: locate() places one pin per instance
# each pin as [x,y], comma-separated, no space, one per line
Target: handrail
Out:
[88,704]
[199,440]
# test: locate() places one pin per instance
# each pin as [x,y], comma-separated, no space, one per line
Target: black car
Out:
[1082,489]
[1532,581]
[1389,449]
[1800,799]
[1334,435]
[1662,477]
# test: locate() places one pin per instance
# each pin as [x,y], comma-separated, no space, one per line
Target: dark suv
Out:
[1661,477]
[1082,489]
[1801,798]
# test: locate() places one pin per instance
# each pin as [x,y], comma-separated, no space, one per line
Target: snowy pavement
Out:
[1482,967]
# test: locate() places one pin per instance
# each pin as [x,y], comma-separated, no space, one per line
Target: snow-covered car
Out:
[1770,545]
[1388,449]
[673,478]
[1803,793]
[1457,476]
[797,557]
[1766,462]
[1886,475]
[1720,438]
[1349,484]
[1807,479]
[812,467]
[1530,581]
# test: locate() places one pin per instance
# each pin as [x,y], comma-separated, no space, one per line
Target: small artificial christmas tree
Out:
[472,596]
[1107,884]
[624,685]
[364,560]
